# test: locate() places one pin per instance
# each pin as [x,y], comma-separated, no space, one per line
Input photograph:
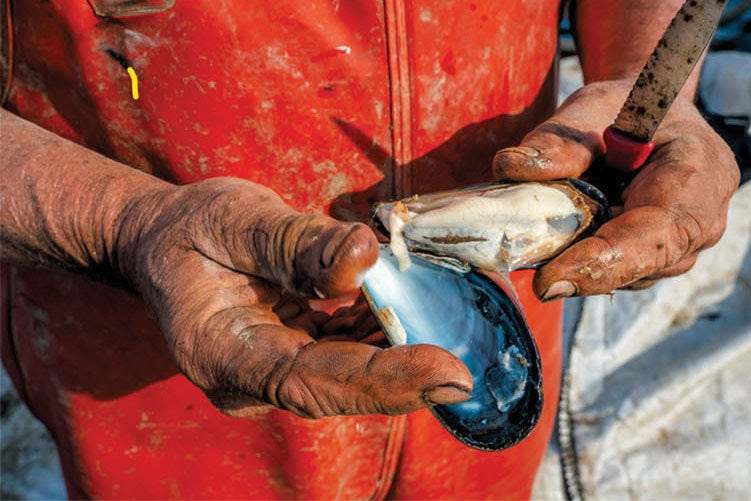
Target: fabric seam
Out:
[400,95]
[391,454]
[399,101]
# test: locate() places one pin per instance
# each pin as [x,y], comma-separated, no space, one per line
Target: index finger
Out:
[345,378]
[284,367]
[637,244]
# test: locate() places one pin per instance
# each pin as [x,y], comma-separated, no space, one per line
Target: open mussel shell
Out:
[464,311]
[495,227]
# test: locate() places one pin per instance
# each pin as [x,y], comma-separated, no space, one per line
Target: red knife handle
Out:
[623,152]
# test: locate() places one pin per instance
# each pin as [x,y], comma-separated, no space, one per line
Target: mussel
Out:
[438,282]
[498,227]
[476,318]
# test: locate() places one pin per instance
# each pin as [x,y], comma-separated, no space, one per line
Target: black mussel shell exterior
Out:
[600,206]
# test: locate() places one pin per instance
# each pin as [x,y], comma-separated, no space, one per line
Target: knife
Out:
[629,140]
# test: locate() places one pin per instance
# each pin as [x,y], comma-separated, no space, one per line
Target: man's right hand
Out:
[212,260]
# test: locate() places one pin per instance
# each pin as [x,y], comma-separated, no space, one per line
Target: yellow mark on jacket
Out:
[133,82]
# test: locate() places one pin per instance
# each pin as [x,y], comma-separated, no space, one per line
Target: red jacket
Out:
[334,104]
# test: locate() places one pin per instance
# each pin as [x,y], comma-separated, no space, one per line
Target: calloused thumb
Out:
[566,144]
[254,232]
[328,257]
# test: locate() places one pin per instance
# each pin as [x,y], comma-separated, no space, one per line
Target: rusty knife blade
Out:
[668,68]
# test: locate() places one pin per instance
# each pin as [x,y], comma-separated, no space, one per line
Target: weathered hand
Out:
[220,262]
[675,207]
[213,259]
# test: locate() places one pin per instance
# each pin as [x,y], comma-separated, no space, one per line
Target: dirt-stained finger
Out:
[567,144]
[336,378]
[252,231]
[635,245]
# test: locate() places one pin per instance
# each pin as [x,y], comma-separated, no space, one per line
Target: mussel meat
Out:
[496,227]
[442,281]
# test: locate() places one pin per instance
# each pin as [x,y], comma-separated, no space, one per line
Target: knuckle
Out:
[688,235]
[714,234]
[296,386]
[274,244]
[223,359]
[596,90]
[294,395]
[683,266]
[299,242]
[734,173]
[297,396]
[730,164]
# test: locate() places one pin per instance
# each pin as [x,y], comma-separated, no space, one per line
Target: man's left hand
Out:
[674,207]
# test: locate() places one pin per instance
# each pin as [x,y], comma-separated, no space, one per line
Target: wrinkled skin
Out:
[225,265]
[227,268]
[673,208]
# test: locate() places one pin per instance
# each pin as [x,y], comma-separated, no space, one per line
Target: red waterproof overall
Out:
[334,104]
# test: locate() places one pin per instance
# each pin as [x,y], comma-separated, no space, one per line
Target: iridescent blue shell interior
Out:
[440,302]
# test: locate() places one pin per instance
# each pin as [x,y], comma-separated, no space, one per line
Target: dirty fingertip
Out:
[520,163]
[559,290]
[346,259]
[446,394]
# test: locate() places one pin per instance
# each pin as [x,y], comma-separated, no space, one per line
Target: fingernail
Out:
[559,290]
[446,394]
[522,150]
[519,156]
[335,244]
